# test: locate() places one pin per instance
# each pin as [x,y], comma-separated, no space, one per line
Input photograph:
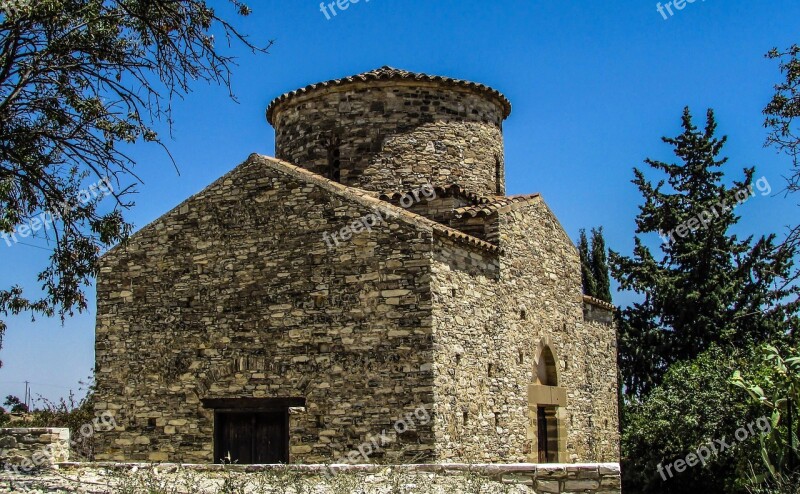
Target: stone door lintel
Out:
[541,395]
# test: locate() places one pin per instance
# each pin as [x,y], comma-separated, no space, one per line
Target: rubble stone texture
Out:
[103,478]
[395,130]
[467,305]
[27,449]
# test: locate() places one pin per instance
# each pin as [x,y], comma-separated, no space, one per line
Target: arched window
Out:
[546,371]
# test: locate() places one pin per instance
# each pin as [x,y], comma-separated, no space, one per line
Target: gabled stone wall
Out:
[236,294]
[543,303]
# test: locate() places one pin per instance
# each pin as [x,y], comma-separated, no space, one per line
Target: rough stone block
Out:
[581,485]
[8,442]
[549,486]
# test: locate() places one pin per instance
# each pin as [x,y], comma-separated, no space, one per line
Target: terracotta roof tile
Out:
[496,204]
[441,191]
[387,73]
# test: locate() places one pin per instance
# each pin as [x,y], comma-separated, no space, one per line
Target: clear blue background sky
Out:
[594,85]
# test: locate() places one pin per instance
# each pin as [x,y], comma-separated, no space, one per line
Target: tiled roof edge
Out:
[387,73]
[449,190]
[599,303]
[496,205]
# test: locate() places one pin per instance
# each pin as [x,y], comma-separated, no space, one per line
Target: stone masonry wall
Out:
[596,398]
[468,420]
[106,478]
[29,448]
[593,312]
[489,332]
[394,135]
[541,270]
[238,293]
[235,294]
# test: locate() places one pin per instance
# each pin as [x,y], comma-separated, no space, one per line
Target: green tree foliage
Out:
[708,286]
[694,405]
[777,393]
[78,79]
[782,115]
[587,274]
[594,265]
[600,266]
[784,108]
[15,405]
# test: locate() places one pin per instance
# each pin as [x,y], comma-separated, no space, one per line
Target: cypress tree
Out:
[600,266]
[707,286]
[587,273]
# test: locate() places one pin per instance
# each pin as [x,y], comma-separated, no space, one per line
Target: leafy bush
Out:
[777,393]
[780,484]
[694,405]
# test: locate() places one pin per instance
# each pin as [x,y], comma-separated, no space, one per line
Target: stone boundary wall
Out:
[31,448]
[599,478]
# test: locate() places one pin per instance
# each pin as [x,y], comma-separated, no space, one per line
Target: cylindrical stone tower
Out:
[392,130]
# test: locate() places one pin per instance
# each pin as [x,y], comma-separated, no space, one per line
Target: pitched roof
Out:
[368,199]
[387,73]
[496,204]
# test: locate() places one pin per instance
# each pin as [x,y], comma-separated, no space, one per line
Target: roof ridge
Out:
[369,199]
[385,73]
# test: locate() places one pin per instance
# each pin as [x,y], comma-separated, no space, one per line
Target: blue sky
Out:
[594,85]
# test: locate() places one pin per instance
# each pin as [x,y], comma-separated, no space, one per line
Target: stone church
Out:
[371,280]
